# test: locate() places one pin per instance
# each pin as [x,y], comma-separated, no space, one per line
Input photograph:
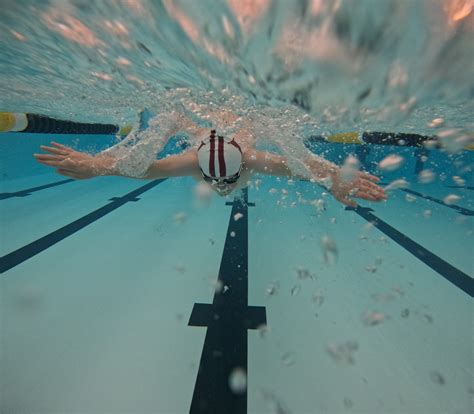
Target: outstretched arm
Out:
[360,185]
[80,165]
[174,166]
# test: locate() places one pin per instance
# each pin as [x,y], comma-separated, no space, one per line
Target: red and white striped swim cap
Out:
[219,158]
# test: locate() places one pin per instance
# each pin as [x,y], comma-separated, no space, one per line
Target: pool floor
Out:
[109,301]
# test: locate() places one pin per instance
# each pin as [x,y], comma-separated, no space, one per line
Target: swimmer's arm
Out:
[267,163]
[273,164]
[174,166]
[81,165]
[184,124]
[361,185]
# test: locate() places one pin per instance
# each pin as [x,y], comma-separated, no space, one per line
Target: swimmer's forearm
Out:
[320,168]
[179,165]
[314,169]
[267,163]
[317,168]
[104,165]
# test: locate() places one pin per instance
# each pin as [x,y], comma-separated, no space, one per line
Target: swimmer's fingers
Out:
[374,189]
[370,195]
[50,160]
[367,176]
[56,151]
[61,146]
[57,162]
[367,196]
[47,157]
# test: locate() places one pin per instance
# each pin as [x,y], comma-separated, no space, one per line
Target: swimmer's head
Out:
[220,162]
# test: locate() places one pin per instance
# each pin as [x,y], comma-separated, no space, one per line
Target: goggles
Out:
[215,180]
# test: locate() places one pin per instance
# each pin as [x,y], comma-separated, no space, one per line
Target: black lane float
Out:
[35,123]
[41,124]
[398,139]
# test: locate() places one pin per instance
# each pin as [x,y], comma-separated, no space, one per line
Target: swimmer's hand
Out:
[361,185]
[74,164]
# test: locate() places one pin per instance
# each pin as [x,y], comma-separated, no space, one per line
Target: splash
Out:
[342,61]
[290,69]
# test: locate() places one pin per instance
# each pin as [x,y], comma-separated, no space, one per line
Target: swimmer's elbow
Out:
[153,172]
[157,170]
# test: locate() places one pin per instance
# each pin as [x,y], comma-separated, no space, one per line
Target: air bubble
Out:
[391,163]
[238,380]
[451,199]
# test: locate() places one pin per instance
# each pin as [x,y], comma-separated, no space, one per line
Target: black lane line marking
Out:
[24,253]
[28,191]
[460,187]
[449,272]
[227,321]
[459,209]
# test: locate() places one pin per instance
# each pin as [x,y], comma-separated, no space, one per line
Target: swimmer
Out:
[224,163]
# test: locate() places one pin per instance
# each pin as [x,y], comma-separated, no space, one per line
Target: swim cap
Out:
[219,158]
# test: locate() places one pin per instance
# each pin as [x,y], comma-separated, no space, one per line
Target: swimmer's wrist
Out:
[103,165]
[327,176]
[322,168]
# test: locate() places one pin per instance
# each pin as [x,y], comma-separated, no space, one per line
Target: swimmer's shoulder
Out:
[249,158]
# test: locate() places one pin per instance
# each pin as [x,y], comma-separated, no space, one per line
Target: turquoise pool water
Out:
[121,295]
[97,319]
